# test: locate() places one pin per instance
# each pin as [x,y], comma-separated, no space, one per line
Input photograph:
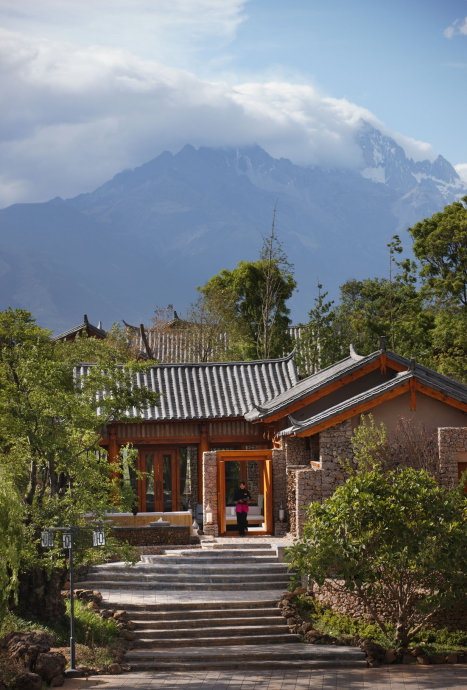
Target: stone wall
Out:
[454,618]
[252,473]
[452,446]
[309,487]
[210,492]
[291,500]
[334,447]
[296,451]
[152,536]
[279,490]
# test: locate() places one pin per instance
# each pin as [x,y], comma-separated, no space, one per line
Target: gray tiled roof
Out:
[312,383]
[426,376]
[213,390]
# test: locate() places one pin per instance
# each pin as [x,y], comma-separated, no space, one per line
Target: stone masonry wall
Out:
[334,447]
[309,487]
[347,603]
[210,492]
[296,451]
[279,490]
[452,445]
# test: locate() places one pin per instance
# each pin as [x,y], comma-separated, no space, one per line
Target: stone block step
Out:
[232,664]
[186,607]
[149,622]
[213,640]
[176,576]
[227,631]
[222,558]
[215,615]
[244,653]
[243,545]
[219,554]
[158,569]
[157,585]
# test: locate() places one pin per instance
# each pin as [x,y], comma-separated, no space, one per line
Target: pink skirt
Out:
[242,508]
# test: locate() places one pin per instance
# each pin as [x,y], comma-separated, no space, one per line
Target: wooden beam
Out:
[202,448]
[442,397]
[353,411]
[413,395]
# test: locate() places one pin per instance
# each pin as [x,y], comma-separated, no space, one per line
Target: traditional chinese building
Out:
[219,423]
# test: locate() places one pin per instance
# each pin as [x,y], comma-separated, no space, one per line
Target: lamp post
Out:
[68,541]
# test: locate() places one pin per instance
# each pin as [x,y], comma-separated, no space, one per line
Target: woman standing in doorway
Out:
[241,498]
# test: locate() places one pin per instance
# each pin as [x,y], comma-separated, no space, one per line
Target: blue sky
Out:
[90,87]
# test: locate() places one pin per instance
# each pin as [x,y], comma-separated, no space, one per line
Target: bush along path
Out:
[209,608]
[318,624]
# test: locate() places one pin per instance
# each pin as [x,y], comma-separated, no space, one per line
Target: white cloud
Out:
[461,169]
[457,28]
[73,115]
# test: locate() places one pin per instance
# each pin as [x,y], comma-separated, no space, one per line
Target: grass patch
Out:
[90,628]
[13,623]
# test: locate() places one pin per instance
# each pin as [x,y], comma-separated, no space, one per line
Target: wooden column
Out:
[203,448]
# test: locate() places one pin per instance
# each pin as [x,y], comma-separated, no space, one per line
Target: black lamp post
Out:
[68,541]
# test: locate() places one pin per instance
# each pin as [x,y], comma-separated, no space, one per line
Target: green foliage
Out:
[369,443]
[319,346]
[350,630]
[440,244]
[13,538]
[395,537]
[90,628]
[50,429]
[250,303]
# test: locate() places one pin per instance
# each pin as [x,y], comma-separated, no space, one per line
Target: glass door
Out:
[159,484]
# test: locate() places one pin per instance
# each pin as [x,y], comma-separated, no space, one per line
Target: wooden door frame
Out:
[158,452]
[265,457]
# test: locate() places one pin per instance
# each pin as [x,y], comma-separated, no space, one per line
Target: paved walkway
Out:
[385,678]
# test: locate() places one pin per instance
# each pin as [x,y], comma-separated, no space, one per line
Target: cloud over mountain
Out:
[75,113]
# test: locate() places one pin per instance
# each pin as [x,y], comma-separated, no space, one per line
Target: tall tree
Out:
[440,244]
[251,302]
[50,428]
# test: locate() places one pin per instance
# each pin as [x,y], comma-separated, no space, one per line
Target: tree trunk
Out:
[39,595]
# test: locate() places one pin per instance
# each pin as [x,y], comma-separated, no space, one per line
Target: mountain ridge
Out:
[150,235]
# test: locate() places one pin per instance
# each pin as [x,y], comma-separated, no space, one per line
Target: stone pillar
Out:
[308,488]
[210,492]
[296,451]
[335,447]
[452,446]
[279,490]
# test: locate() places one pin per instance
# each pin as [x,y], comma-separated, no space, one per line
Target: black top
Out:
[242,495]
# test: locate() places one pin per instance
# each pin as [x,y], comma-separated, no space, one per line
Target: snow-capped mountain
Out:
[151,235]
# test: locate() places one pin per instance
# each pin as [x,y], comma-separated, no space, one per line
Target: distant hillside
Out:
[149,236]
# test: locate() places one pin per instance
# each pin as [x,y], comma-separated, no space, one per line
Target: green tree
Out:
[392,307]
[322,343]
[396,540]
[250,302]
[50,428]
[440,244]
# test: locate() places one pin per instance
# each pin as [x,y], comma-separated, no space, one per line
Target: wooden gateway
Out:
[219,423]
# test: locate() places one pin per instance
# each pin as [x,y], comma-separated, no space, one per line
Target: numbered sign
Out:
[47,539]
[98,537]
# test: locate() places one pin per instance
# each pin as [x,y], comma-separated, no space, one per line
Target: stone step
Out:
[149,622]
[157,585]
[235,629]
[223,558]
[210,640]
[242,545]
[219,553]
[241,654]
[232,664]
[228,607]
[191,576]
[195,568]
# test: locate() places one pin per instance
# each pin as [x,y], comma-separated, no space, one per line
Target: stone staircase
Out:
[211,608]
